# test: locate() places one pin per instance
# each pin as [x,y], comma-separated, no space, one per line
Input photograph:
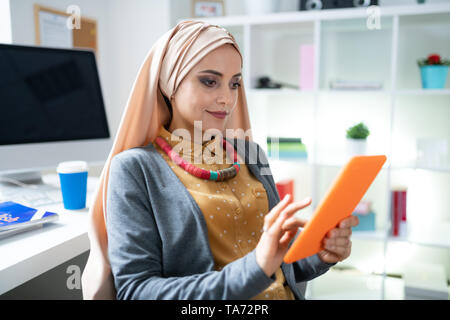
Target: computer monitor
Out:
[51,110]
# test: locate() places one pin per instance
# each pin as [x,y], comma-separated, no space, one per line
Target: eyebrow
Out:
[218,73]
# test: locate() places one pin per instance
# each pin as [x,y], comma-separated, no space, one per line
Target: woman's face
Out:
[211,86]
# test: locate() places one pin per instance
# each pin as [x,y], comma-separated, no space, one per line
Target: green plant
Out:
[433,59]
[358,131]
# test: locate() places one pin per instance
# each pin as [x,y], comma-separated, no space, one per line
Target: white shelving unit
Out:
[396,115]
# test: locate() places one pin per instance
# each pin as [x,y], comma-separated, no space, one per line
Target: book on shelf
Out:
[286,147]
[398,211]
[16,218]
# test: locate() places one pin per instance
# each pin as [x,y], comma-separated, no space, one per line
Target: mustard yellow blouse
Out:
[234,209]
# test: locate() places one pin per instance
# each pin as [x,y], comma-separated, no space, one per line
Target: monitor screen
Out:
[49,95]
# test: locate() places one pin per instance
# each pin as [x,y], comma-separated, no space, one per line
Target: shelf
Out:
[354,91]
[444,244]
[411,167]
[433,235]
[304,162]
[288,91]
[405,92]
[398,114]
[282,91]
[358,286]
[423,92]
[341,164]
[330,14]
[378,235]
[439,242]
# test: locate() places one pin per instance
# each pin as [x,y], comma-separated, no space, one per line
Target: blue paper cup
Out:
[73,179]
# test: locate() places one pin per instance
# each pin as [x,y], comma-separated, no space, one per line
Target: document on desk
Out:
[15,218]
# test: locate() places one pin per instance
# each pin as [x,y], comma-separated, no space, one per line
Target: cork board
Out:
[84,37]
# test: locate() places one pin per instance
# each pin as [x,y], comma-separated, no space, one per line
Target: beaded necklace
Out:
[218,175]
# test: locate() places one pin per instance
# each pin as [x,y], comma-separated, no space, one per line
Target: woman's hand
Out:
[274,241]
[337,242]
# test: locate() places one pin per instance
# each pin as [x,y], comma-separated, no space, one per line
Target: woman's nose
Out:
[225,97]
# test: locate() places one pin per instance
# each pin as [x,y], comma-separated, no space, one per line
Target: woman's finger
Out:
[294,223]
[275,212]
[290,208]
[275,229]
[287,237]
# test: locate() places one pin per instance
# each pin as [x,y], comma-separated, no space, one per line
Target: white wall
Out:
[5,22]
[134,27]
[126,32]
[181,9]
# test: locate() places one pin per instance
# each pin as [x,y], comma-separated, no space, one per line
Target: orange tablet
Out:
[341,199]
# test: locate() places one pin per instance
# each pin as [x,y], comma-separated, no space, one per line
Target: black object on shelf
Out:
[267,83]
[284,140]
[307,5]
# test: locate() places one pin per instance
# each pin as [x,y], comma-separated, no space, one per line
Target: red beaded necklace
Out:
[219,175]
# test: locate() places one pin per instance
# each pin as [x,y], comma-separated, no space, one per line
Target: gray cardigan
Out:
[158,244]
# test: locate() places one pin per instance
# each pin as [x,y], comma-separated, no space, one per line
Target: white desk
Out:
[26,255]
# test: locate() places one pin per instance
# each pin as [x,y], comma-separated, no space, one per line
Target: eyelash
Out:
[209,81]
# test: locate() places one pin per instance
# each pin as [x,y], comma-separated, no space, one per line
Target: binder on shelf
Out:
[398,212]
[292,148]
[306,67]
[16,218]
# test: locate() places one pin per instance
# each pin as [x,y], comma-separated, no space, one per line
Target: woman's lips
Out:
[220,115]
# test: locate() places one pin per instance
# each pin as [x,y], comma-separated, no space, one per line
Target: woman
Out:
[192,215]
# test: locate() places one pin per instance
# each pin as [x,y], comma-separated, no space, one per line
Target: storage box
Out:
[366,222]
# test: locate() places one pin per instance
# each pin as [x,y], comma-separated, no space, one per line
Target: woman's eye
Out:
[209,83]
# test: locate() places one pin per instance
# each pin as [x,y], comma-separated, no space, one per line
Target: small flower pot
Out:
[356,147]
[433,77]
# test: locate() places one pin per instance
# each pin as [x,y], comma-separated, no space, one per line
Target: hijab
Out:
[169,60]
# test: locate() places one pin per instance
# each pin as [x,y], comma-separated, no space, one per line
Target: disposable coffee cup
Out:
[73,179]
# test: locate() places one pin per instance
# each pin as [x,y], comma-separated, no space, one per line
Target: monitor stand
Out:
[29,189]
[29,177]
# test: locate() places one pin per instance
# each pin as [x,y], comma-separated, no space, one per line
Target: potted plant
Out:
[356,139]
[433,71]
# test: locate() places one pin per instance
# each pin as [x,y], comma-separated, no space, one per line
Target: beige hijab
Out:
[168,62]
